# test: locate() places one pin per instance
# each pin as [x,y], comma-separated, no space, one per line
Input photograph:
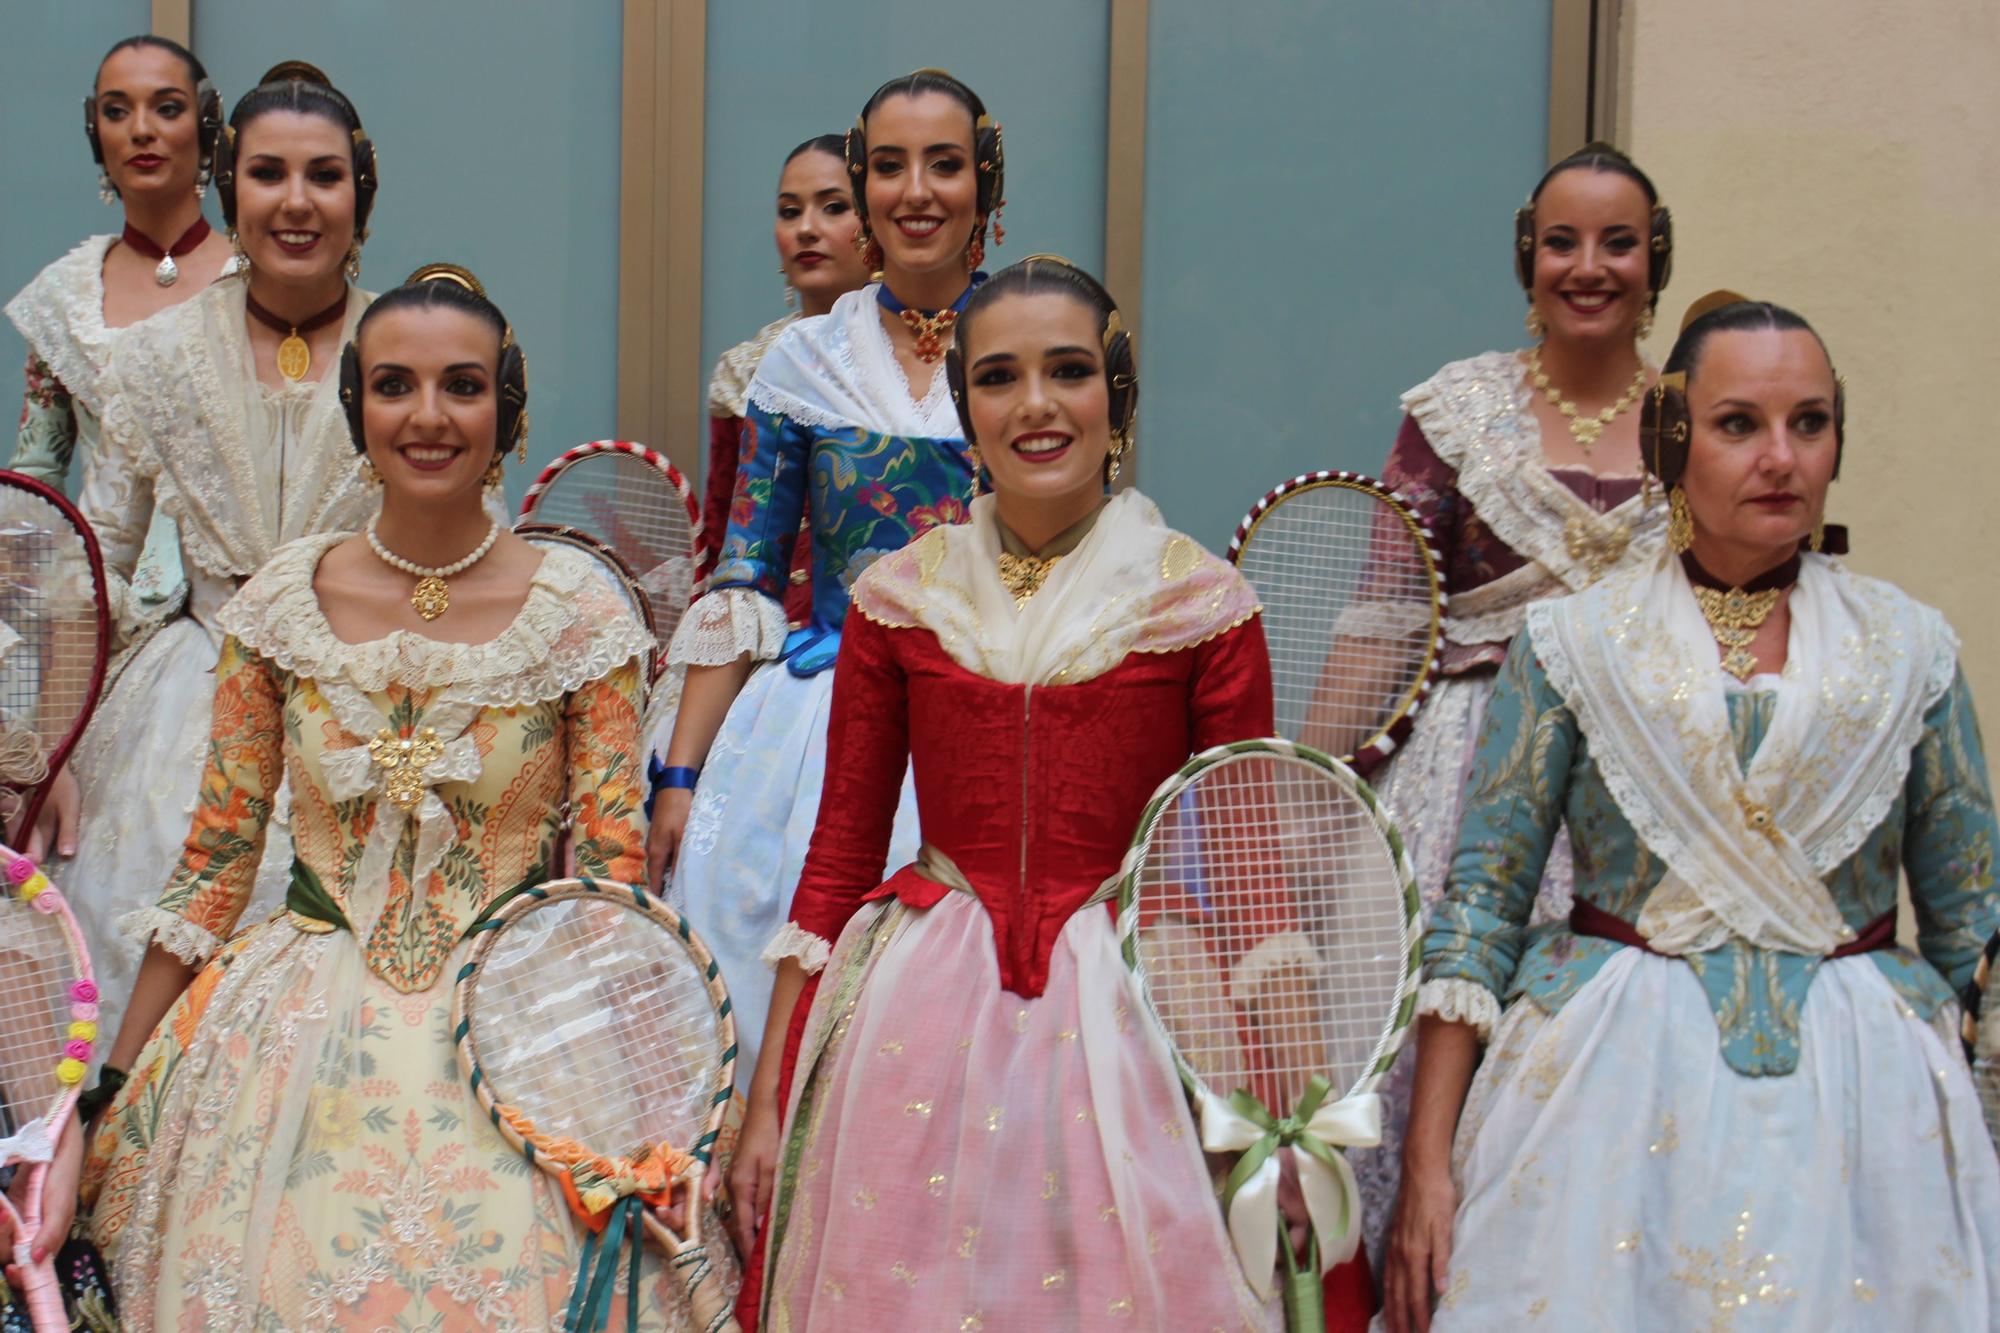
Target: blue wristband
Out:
[659,777]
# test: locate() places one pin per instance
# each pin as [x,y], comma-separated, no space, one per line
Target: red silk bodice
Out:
[1033,791]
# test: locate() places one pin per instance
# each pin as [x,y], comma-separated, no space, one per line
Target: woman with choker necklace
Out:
[851,407]
[1525,468]
[1718,1085]
[152,120]
[295,1069]
[222,414]
[977,1068]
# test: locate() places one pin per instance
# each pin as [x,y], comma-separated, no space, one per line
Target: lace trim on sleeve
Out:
[176,934]
[1272,954]
[1457,1000]
[796,942]
[723,625]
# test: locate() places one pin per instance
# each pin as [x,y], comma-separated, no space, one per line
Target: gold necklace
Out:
[1587,430]
[1024,575]
[1733,618]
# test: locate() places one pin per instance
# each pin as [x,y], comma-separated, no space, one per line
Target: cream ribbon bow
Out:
[402,769]
[32,1146]
[1318,1130]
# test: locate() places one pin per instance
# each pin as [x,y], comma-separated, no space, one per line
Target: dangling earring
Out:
[973,457]
[521,437]
[369,473]
[871,253]
[975,248]
[202,178]
[496,471]
[1116,458]
[791,292]
[105,189]
[1534,323]
[1680,522]
[1646,492]
[242,256]
[1819,534]
[1645,324]
[353,265]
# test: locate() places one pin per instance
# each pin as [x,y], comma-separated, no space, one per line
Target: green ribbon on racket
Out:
[597,1273]
[1242,1123]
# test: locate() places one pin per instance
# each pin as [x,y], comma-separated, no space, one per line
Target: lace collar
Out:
[569,632]
[840,370]
[1477,417]
[1131,585]
[729,387]
[61,316]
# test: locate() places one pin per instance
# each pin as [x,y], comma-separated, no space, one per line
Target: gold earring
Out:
[496,471]
[1645,324]
[978,463]
[1680,522]
[1116,459]
[1819,534]
[369,472]
[521,437]
[1534,323]
[352,267]
[236,249]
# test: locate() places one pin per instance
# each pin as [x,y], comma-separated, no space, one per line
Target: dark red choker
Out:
[167,273]
[1784,576]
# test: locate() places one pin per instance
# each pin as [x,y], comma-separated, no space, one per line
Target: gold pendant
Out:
[294,357]
[930,331]
[430,597]
[1024,575]
[403,759]
[1733,618]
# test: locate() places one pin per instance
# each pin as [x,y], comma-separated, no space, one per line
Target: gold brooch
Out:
[404,759]
[1024,575]
[1757,815]
[1598,545]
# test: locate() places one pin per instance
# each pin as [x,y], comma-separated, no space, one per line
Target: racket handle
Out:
[707,1301]
[40,1291]
[1305,1310]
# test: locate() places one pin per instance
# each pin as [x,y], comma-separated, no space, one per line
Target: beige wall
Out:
[1842,157]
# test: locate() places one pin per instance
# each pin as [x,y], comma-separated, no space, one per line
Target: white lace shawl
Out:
[1476,416]
[178,417]
[571,631]
[839,369]
[1635,661]
[1132,585]
[729,386]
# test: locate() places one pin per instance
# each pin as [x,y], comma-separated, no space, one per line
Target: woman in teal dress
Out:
[1718,1094]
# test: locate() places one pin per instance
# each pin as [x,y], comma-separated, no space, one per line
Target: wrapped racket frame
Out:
[59,754]
[560,534]
[1379,747]
[700,1153]
[71,1039]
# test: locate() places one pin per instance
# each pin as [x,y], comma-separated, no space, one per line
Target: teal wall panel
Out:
[781,71]
[48,184]
[1329,208]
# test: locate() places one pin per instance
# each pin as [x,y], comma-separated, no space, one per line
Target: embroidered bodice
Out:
[1534,772]
[830,429]
[242,467]
[427,778]
[1509,528]
[728,397]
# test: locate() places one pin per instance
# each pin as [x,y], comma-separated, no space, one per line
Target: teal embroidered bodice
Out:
[1532,773]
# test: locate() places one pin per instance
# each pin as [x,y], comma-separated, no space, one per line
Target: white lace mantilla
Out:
[1477,416]
[194,442]
[1747,852]
[839,369]
[729,387]
[569,632]
[1132,584]
[61,317]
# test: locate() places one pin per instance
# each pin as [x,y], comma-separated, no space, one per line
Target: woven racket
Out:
[1354,602]
[596,1033]
[1270,916]
[616,574]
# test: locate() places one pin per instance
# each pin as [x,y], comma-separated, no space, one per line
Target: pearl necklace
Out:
[1585,429]
[430,598]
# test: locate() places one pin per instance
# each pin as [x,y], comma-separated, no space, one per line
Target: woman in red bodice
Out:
[979,1119]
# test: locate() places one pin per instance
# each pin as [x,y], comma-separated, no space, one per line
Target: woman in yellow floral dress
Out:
[295,1148]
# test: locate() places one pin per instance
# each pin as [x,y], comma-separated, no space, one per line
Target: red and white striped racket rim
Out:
[48,1005]
[637,503]
[616,572]
[1256,552]
[56,617]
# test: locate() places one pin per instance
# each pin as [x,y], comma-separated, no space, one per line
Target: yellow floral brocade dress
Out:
[296,1148]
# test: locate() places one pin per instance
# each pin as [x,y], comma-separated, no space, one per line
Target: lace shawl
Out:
[729,387]
[61,316]
[1132,585]
[571,631]
[839,369]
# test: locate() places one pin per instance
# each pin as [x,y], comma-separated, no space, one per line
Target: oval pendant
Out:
[294,358]
[167,273]
[431,597]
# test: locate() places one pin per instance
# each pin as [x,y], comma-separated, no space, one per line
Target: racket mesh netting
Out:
[590,1019]
[635,509]
[1348,599]
[48,634]
[36,968]
[1271,929]
[608,574]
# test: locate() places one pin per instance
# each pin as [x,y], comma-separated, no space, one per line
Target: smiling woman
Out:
[223,415]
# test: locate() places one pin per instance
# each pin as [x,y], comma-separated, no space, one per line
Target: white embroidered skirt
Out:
[1615,1172]
[748,831]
